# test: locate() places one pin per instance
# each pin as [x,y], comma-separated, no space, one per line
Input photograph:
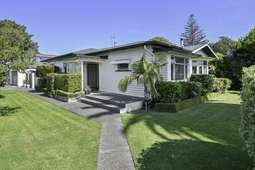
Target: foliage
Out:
[191,89]
[247,128]
[161,39]
[43,70]
[221,84]
[3,74]
[176,107]
[193,35]
[206,81]
[68,82]
[224,45]
[244,55]
[50,84]
[172,92]
[144,73]
[16,46]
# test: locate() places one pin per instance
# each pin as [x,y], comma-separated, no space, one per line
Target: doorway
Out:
[93,76]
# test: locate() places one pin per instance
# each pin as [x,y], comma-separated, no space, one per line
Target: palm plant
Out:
[144,73]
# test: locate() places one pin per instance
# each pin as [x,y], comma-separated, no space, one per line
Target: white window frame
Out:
[172,68]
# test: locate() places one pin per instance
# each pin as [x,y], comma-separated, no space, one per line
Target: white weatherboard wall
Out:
[109,78]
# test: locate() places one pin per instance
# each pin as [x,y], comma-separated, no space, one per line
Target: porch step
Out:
[113,102]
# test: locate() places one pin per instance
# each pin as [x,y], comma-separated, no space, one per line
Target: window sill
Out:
[122,70]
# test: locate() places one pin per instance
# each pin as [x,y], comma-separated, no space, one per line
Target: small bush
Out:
[191,89]
[169,92]
[221,84]
[247,128]
[68,82]
[206,81]
[172,92]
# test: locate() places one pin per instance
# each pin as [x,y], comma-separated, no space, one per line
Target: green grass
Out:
[205,137]
[38,135]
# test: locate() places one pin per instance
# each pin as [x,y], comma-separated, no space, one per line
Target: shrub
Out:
[3,74]
[205,80]
[169,92]
[68,82]
[43,70]
[221,84]
[50,84]
[247,128]
[172,92]
[191,89]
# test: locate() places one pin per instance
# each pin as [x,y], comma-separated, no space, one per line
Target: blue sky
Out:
[61,26]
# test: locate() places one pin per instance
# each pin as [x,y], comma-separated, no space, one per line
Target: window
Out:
[179,68]
[199,67]
[72,67]
[123,67]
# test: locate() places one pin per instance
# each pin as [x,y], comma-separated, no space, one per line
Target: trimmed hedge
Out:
[68,82]
[206,80]
[221,84]
[50,84]
[175,107]
[172,92]
[247,128]
[68,94]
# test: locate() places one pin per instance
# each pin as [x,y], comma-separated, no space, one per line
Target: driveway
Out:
[114,153]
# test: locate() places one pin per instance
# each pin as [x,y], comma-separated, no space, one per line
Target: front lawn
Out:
[205,137]
[38,135]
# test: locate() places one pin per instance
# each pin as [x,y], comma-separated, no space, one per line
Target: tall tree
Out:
[224,45]
[193,35]
[244,55]
[16,48]
[222,66]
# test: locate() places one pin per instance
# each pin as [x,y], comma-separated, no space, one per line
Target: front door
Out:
[93,76]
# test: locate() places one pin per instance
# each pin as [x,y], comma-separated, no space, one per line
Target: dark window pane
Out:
[179,72]
[122,67]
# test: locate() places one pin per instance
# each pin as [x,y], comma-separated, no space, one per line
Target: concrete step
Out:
[113,102]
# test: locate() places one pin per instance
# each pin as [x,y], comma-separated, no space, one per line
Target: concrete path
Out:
[114,153]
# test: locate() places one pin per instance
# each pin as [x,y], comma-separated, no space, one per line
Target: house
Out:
[102,69]
[27,78]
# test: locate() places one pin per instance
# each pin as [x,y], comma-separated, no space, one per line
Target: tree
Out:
[193,35]
[243,56]
[16,48]
[224,45]
[222,66]
[161,39]
[144,73]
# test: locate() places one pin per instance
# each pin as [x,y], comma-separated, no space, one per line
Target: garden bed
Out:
[175,107]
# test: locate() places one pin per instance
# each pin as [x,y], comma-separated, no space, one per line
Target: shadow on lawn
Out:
[2,96]
[7,110]
[192,155]
[209,138]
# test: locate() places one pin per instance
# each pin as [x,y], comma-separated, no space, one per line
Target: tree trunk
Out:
[146,97]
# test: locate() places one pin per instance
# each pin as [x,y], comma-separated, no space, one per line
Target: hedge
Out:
[221,84]
[50,84]
[68,82]
[247,128]
[175,107]
[206,80]
[172,92]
